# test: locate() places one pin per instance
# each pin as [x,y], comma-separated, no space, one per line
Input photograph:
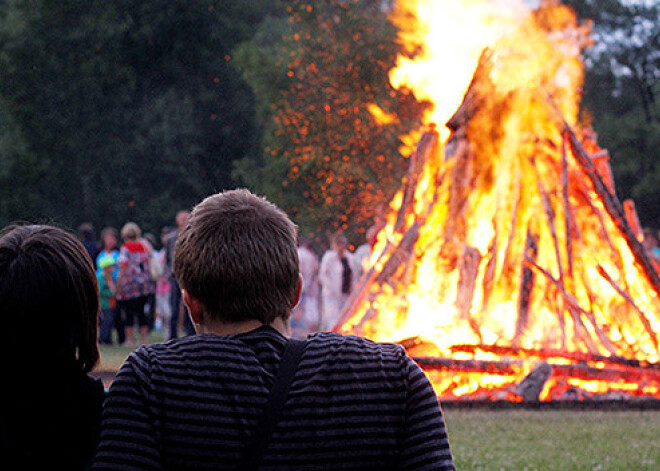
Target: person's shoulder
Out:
[134,246]
[336,345]
[181,349]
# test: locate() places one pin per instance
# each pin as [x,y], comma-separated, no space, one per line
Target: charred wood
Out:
[526,285]
[633,219]
[547,353]
[469,366]
[531,386]
[642,317]
[614,209]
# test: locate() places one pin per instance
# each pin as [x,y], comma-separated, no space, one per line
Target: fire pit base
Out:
[594,404]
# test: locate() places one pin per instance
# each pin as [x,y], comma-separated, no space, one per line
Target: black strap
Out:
[254,452]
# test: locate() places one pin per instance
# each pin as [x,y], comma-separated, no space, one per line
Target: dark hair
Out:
[48,290]
[238,255]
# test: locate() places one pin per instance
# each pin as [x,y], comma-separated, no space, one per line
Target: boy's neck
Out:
[230,328]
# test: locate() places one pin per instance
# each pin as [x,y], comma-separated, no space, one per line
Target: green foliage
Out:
[315,69]
[132,110]
[622,90]
[121,110]
[635,147]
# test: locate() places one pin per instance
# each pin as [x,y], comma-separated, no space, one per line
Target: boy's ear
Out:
[194,305]
[299,287]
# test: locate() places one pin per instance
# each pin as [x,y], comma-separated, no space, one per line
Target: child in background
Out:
[107,290]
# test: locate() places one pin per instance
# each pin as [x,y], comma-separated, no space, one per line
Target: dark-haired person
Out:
[50,410]
[199,402]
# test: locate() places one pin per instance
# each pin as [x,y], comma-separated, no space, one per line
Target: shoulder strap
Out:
[253,453]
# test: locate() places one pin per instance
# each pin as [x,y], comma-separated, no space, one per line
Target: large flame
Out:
[443,40]
[484,210]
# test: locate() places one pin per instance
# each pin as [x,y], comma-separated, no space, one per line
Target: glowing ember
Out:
[500,237]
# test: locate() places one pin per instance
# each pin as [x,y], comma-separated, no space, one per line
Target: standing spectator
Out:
[163,286]
[50,409]
[107,290]
[155,272]
[337,276]
[109,247]
[88,238]
[306,314]
[196,403]
[363,252]
[134,283]
[178,309]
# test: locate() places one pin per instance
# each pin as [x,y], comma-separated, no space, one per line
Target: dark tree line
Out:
[622,90]
[128,109]
[121,110]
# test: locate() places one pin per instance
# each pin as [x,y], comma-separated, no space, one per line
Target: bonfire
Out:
[508,267]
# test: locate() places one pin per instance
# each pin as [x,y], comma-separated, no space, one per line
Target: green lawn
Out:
[554,439]
[113,356]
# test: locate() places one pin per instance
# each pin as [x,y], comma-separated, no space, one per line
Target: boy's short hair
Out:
[237,254]
[48,289]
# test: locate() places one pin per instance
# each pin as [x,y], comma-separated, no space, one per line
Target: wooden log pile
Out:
[560,248]
[532,384]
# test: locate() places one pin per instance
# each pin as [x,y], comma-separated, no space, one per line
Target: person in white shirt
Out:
[337,275]
[363,252]
[306,314]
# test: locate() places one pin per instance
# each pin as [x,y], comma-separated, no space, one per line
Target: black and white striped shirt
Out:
[193,403]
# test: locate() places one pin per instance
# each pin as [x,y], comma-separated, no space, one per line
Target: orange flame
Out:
[481,205]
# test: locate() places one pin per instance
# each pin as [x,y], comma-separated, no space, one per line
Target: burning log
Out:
[531,386]
[590,373]
[547,354]
[576,309]
[614,209]
[475,96]
[568,214]
[469,366]
[540,226]
[468,268]
[425,148]
[624,295]
[550,216]
[526,285]
[489,274]
[394,254]
[633,219]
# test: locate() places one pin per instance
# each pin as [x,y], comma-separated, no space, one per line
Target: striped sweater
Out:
[192,403]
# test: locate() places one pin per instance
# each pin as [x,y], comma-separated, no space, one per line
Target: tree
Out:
[317,70]
[126,109]
[621,92]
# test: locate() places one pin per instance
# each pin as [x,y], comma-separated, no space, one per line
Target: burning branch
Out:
[624,295]
[614,208]
[575,305]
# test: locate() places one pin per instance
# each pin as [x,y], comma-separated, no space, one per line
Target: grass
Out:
[554,439]
[517,439]
[113,356]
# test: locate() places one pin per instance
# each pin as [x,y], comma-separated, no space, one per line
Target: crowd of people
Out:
[138,288]
[327,284]
[240,394]
[136,282]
